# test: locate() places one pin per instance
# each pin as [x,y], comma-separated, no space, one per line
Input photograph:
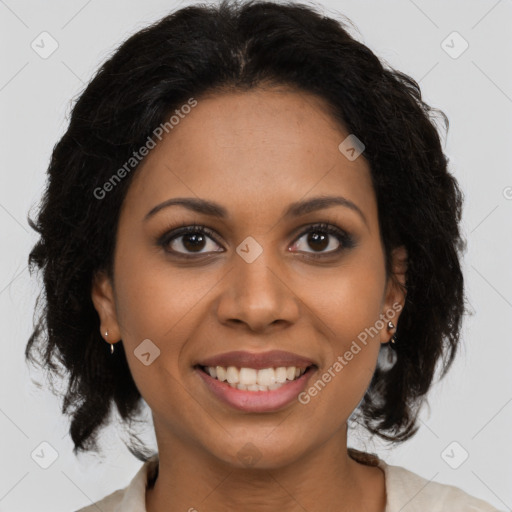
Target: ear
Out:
[395,294]
[102,294]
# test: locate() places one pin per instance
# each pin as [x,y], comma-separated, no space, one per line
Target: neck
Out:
[327,478]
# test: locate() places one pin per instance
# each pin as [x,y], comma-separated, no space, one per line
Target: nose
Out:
[259,295]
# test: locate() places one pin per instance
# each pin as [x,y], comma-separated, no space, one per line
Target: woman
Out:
[257,216]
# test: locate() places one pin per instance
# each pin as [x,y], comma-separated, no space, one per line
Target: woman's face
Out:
[257,280]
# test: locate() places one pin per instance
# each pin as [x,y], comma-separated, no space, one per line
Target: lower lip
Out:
[257,401]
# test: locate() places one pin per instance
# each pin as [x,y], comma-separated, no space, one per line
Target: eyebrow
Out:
[294,209]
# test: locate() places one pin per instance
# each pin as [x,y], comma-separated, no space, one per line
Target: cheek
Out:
[350,306]
[152,315]
[350,297]
[153,297]
[160,303]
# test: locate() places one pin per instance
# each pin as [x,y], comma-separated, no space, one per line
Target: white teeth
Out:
[251,379]
[266,377]
[281,373]
[232,375]
[219,371]
[248,376]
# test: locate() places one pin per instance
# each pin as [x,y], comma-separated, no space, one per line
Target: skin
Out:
[254,153]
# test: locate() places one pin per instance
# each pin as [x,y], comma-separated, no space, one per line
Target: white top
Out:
[406,492]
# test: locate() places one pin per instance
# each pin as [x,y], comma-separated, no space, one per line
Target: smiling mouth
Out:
[251,379]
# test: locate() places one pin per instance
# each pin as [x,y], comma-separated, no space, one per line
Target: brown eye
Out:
[324,239]
[189,240]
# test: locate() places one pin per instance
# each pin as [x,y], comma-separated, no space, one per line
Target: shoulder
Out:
[107,504]
[132,498]
[409,492]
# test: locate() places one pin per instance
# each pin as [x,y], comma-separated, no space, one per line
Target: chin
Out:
[257,453]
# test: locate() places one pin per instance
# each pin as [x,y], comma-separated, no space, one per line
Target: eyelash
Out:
[346,240]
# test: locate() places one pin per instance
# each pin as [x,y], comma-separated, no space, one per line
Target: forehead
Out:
[256,148]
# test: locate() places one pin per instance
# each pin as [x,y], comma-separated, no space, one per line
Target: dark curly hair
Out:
[236,46]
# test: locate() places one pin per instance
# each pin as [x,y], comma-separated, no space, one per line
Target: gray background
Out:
[472,406]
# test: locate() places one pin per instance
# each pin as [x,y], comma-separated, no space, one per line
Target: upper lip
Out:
[258,361]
